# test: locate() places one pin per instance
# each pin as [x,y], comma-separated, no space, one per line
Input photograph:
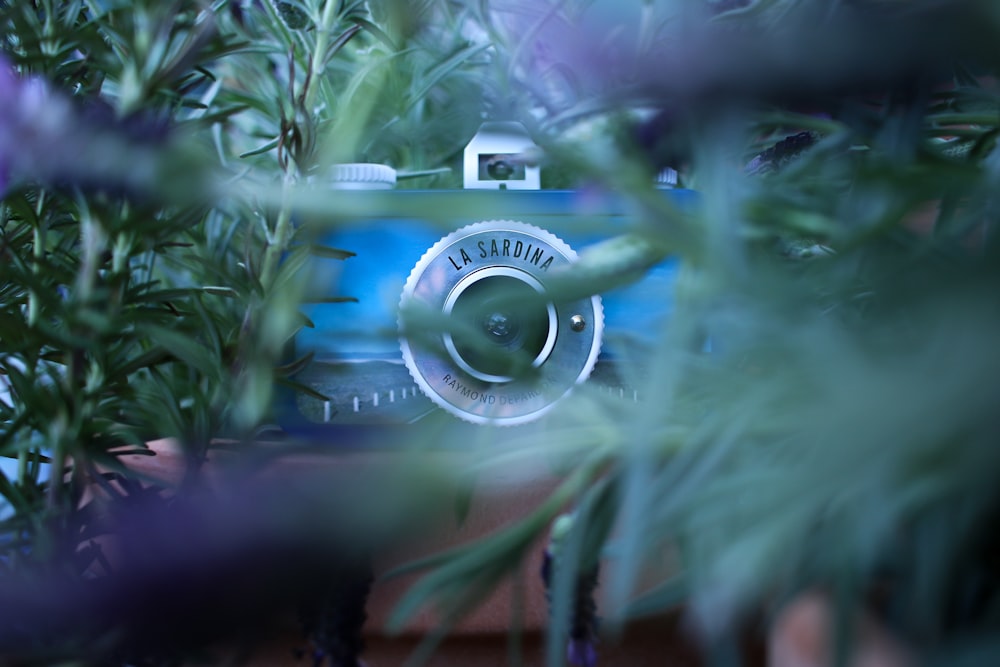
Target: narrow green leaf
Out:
[221,291]
[330,253]
[377,32]
[296,366]
[342,40]
[185,348]
[420,173]
[442,70]
[271,145]
[301,388]
[332,299]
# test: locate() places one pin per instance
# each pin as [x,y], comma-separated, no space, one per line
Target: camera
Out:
[446,305]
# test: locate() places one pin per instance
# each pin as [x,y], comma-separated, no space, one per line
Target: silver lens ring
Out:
[487,281]
[500,323]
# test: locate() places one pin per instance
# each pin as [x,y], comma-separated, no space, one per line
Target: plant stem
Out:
[318,64]
[38,253]
[22,466]
[278,242]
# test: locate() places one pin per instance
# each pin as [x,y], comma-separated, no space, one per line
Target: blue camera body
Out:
[481,257]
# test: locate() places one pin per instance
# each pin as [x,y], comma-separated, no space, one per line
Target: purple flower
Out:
[46,137]
[6,92]
[581,653]
[563,57]
[581,648]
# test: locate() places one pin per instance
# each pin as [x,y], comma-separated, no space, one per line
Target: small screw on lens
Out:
[500,326]
[577,323]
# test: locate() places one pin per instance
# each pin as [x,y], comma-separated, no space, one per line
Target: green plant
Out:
[145,294]
[847,404]
[838,435]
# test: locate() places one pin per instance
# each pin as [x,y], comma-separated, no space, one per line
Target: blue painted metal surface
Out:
[388,242]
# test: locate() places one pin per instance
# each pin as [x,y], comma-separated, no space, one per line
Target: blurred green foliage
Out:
[840,434]
[142,296]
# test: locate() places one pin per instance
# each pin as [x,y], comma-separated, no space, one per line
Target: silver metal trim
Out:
[557,375]
[489,272]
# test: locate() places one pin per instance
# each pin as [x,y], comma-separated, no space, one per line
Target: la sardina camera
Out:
[455,308]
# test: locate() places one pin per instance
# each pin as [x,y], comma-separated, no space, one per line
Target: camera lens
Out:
[500,170]
[502,326]
[501,167]
[482,333]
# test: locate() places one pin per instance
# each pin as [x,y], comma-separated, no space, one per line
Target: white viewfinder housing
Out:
[501,157]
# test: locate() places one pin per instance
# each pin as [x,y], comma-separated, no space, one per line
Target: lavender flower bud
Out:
[581,653]
[46,138]
[294,17]
[6,92]
[781,153]
[581,647]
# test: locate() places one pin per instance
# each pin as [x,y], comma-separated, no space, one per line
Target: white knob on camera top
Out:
[362,176]
[667,178]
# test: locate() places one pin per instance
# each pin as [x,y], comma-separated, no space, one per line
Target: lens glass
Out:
[501,167]
[502,327]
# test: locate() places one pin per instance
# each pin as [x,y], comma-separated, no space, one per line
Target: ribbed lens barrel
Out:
[481,333]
